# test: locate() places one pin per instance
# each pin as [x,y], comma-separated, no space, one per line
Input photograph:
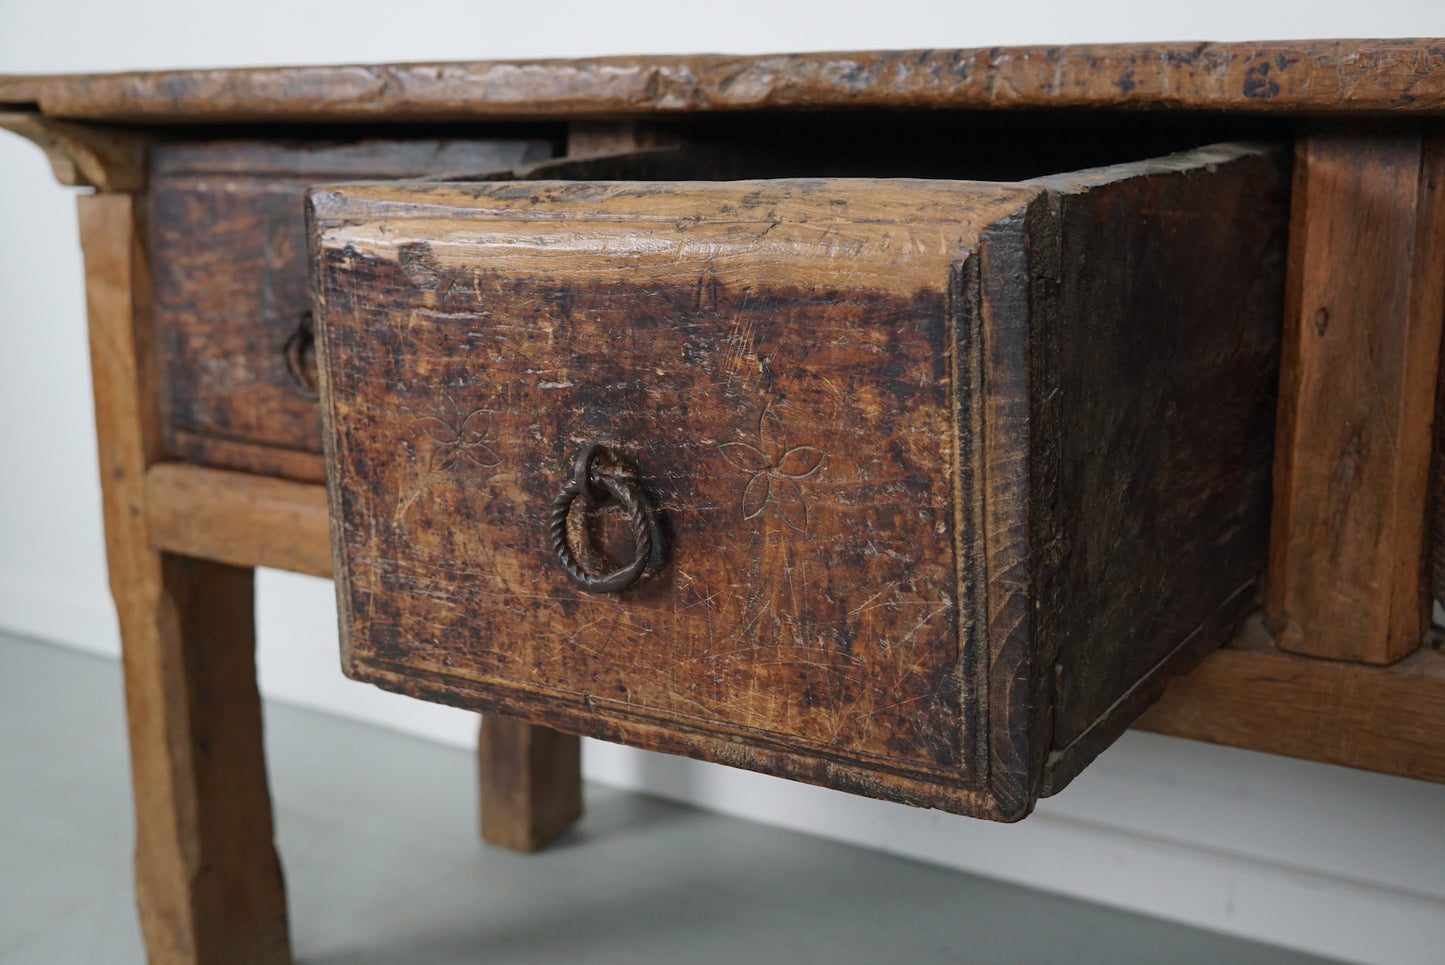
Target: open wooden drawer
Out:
[941,479]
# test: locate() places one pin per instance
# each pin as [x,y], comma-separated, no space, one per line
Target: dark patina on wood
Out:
[919,447]
[227,236]
[1155,365]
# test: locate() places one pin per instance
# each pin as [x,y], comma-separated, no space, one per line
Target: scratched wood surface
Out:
[776,371]
[228,250]
[844,397]
[1323,76]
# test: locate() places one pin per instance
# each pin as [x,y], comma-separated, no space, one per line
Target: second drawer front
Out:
[227,236]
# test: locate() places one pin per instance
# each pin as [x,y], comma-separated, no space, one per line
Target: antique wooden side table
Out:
[910,423]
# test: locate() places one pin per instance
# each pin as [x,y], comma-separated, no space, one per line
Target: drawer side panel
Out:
[1158,314]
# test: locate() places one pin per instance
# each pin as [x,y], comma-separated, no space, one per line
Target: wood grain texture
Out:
[1361,356]
[596,138]
[238,518]
[208,881]
[228,248]
[1252,694]
[1005,692]
[1328,76]
[531,782]
[838,394]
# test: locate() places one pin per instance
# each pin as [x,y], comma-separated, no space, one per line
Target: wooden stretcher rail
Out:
[1253,695]
[237,518]
[1249,694]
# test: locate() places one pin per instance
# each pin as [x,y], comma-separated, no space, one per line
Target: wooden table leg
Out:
[531,782]
[1365,299]
[208,881]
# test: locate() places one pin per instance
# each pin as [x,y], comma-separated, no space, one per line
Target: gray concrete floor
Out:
[383,864]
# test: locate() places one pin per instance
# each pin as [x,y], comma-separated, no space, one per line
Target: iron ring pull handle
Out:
[596,486]
[300,354]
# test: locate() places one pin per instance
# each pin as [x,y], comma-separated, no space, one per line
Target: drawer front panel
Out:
[791,412]
[227,234]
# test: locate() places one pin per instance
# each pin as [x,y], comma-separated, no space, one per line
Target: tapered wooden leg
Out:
[531,782]
[208,881]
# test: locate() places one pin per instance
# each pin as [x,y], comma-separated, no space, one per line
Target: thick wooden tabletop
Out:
[1314,77]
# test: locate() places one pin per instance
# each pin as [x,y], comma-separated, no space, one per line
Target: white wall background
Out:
[1324,859]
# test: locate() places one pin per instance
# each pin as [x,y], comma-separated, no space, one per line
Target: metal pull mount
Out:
[597,478]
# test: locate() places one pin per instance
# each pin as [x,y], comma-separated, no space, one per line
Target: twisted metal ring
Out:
[596,488]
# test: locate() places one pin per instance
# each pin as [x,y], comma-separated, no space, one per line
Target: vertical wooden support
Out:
[208,881]
[531,782]
[1365,299]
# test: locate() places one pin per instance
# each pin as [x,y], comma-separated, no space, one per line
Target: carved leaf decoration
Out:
[800,461]
[789,500]
[744,457]
[482,455]
[471,434]
[437,430]
[443,458]
[755,496]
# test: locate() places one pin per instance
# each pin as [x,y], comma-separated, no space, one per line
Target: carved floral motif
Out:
[775,469]
[459,437]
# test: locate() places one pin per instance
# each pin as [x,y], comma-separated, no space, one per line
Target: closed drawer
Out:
[947,476]
[232,311]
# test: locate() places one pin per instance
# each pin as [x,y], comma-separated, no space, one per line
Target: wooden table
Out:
[1350,674]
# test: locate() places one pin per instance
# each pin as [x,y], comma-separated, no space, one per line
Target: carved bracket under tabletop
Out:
[85,155]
